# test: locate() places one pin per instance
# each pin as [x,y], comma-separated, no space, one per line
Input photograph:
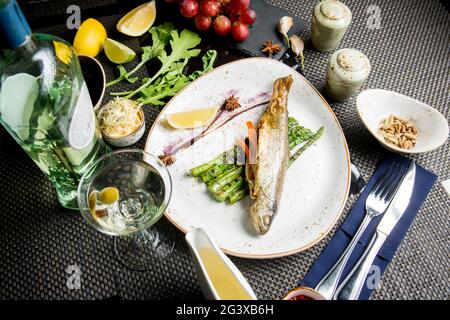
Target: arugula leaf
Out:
[208,60]
[161,36]
[164,32]
[174,80]
[124,75]
[169,79]
[182,46]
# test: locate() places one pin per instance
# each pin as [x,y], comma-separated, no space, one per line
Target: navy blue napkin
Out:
[423,183]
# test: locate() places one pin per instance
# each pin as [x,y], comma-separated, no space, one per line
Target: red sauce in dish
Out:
[301,297]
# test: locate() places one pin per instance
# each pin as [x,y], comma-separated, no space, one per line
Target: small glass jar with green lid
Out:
[347,71]
[329,23]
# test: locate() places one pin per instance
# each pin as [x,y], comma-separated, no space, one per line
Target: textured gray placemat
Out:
[409,54]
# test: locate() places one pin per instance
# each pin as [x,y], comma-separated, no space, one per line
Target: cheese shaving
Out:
[119,118]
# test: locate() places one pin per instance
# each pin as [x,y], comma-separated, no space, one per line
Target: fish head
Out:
[261,218]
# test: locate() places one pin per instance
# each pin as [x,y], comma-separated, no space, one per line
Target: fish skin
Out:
[272,158]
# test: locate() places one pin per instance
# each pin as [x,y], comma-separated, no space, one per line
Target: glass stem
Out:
[146,237]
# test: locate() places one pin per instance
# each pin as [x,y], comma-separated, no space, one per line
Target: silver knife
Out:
[351,287]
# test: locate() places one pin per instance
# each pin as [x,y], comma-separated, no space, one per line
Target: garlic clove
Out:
[284,25]
[297,45]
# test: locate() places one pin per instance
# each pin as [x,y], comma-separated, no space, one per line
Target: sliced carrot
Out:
[253,142]
[241,144]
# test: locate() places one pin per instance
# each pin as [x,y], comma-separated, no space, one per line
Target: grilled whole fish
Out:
[266,176]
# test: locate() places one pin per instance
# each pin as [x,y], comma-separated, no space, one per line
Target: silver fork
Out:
[376,204]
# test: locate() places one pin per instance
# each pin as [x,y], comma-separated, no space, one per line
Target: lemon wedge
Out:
[192,119]
[63,52]
[109,195]
[137,22]
[117,52]
[92,202]
[90,38]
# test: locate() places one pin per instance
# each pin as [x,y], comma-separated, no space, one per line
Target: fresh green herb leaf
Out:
[164,32]
[161,36]
[182,46]
[174,80]
[208,59]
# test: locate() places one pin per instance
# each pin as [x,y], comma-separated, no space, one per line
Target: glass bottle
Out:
[45,104]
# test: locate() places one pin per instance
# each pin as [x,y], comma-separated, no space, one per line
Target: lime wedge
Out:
[117,52]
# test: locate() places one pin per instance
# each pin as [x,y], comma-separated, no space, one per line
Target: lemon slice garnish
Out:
[193,118]
[109,195]
[92,202]
[137,22]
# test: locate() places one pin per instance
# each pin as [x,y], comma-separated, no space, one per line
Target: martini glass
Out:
[123,194]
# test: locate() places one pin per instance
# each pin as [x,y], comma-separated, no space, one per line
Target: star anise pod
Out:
[167,159]
[270,48]
[231,103]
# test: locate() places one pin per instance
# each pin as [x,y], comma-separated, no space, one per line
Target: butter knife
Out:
[351,287]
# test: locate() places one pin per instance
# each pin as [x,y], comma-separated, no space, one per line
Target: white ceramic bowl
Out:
[374,105]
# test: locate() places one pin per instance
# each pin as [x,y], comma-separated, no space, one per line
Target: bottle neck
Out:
[15,31]
[28,46]
[24,51]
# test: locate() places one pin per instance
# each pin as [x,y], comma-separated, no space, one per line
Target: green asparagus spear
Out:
[225,178]
[226,157]
[297,134]
[213,172]
[235,197]
[197,171]
[236,185]
[292,123]
[310,142]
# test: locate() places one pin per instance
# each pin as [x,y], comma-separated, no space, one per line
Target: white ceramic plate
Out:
[316,186]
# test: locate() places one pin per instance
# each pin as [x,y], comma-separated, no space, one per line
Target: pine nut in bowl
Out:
[122,122]
[401,124]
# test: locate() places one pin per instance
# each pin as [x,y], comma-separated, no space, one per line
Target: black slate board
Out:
[265,28]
